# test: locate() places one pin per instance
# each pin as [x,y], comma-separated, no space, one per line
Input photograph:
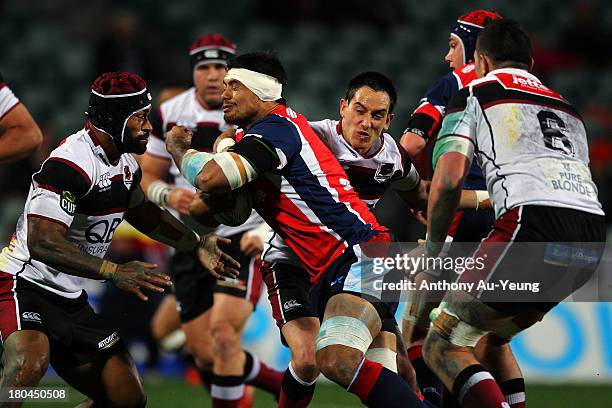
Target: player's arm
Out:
[20,136]
[452,158]
[222,172]
[160,225]
[225,140]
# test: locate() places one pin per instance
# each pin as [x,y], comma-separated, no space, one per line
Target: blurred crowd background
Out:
[52,50]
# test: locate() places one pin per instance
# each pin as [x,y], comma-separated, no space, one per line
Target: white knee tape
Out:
[384,356]
[457,332]
[344,330]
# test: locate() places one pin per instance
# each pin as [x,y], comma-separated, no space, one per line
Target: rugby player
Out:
[20,136]
[76,201]
[303,193]
[525,137]
[212,314]
[468,227]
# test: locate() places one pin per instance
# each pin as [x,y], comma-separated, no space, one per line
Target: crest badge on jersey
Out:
[383,172]
[128,177]
[68,202]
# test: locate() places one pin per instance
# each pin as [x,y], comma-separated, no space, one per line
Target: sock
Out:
[514,391]
[380,387]
[207,377]
[476,388]
[226,391]
[295,392]
[429,384]
[261,376]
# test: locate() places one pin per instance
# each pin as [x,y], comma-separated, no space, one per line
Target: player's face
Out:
[454,57]
[208,80]
[365,118]
[137,131]
[240,105]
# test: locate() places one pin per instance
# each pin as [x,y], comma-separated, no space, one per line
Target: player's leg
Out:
[24,360]
[288,287]
[108,382]
[166,325]
[349,325]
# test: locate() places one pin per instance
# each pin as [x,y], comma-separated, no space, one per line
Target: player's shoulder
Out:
[75,150]
[464,75]
[326,128]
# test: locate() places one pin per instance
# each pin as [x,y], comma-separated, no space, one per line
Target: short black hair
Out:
[505,42]
[264,62]
[374,80]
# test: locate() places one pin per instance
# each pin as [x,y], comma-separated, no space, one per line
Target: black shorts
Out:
[194,287]
[557,248]
[334,281]
[77,335]
[288,288]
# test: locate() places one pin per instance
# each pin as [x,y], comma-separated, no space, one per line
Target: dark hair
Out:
[374,80]
[505,42]
[264,62]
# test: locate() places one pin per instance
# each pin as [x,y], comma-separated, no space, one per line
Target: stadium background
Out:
[53,50]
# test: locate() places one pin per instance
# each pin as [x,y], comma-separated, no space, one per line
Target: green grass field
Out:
[177,394]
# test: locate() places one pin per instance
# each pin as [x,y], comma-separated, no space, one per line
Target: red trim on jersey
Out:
[430,110]
[74,166]
[8,306]
[10,109]
[208,124]
[2,85]
[255,282]
[42,217]
[513,81]
[267,272]
[503,232]
[50,188]
[466,74]
[455,224]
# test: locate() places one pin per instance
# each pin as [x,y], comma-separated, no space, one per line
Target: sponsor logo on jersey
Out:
[128,177]
[31,317]
[104,182]
[68,202]
[291,304]
[109,341]
[383,172]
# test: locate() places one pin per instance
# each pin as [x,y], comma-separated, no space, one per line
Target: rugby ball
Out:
[243,206]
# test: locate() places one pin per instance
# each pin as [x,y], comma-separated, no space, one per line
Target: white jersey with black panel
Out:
[206,124]
[529,141]
[78,188]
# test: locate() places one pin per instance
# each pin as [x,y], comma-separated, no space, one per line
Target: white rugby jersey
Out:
[370,175]
[529,141]
[8,100]
[185,110]
[80,189]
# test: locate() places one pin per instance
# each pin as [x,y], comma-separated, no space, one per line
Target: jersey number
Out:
[553,129]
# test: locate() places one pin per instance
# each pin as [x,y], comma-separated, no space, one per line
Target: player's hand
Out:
[178,141]
[134,276]
[251,245]
[180,199]
[417,252]
[421,216]
[216,262]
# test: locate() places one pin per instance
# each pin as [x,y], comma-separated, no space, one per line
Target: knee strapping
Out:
[346,331]
[450,327]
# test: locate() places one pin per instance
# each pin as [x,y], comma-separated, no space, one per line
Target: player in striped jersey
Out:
[77,199]
[19,134]
[418,140]
[212,314]
[303,193]
[532,147]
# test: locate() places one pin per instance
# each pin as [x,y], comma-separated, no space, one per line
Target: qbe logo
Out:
[31,317]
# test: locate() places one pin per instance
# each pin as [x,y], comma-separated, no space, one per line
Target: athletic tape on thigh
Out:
[384,356]
[344,330]
[193,162]
[448,325]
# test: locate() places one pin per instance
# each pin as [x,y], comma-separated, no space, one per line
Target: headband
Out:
[266,87]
